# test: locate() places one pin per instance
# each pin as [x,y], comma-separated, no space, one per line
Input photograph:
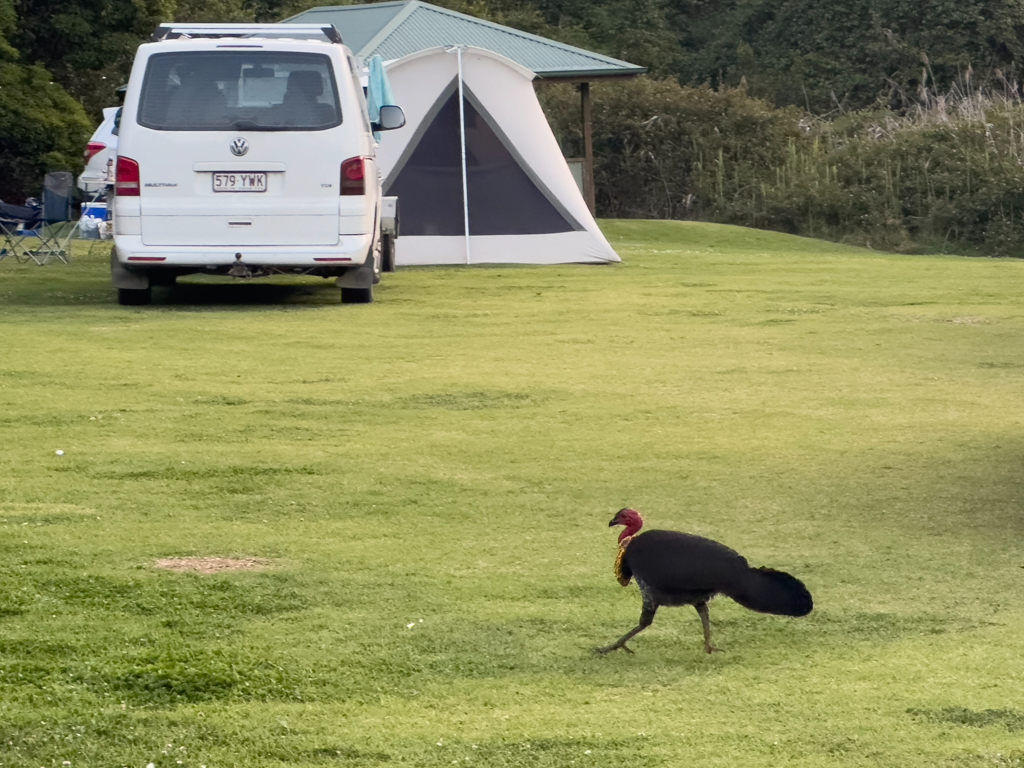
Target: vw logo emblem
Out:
[239,147]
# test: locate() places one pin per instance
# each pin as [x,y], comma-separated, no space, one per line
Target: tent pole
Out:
[462,136]
[588,150]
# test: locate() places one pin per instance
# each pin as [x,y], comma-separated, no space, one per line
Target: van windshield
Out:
[239,90]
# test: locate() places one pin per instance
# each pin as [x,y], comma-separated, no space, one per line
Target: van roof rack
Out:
[177,31]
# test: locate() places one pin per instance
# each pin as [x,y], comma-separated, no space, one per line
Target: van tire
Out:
[356,295]
[387,253]
[134,297]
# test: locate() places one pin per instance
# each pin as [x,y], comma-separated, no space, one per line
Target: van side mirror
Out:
[391,117]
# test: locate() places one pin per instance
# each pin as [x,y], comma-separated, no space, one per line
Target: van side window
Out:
[243,90]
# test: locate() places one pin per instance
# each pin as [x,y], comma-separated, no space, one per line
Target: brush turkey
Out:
[673,568]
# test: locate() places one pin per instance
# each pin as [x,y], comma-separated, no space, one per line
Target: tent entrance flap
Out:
[504,199]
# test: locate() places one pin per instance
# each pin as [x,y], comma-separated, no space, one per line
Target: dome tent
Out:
[477,151]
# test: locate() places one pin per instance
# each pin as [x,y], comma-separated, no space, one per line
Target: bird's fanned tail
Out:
[766,590]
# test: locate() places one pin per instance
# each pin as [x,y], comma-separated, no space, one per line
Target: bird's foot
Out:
[711,649]
[613,647]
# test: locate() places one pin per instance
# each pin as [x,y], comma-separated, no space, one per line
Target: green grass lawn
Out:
[430,479]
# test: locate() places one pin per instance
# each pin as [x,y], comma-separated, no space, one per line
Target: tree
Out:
[638,31]
[8,21]
[88,46]
[818,53]
[41,127]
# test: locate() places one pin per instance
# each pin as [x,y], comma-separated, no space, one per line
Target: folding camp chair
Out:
[55,227]
[7,231]
[14,219]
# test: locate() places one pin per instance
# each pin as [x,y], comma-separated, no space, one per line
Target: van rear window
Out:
[239,90]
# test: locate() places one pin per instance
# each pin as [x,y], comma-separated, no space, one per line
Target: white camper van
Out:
[247,150]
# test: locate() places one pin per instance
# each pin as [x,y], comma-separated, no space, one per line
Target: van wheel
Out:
[387,253]
[134,297]
[356,295]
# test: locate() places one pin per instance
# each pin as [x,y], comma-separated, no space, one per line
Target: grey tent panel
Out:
[503,198]
[428,178]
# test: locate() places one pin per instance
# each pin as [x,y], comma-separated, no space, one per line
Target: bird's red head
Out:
[629,518]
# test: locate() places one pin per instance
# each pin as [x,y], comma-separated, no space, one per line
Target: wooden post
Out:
[588,150]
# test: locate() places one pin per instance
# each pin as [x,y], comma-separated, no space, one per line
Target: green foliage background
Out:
[946,176]
[817,54]
[41,126]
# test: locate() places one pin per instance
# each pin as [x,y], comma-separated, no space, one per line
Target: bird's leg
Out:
[646,617]
[705,621]
[621,642]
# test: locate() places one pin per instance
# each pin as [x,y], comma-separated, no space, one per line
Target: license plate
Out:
[239,182]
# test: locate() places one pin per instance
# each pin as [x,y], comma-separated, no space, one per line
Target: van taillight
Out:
[126,177]
[93,148]
[352,173]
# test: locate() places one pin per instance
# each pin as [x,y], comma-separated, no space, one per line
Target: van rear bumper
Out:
[351,250]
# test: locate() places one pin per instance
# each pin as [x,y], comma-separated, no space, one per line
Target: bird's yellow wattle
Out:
[622,578]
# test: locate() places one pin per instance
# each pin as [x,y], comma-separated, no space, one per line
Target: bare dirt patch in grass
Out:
[212,564]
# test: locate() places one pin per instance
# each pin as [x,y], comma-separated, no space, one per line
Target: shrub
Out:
[661,149]
[41,129]
[946,172]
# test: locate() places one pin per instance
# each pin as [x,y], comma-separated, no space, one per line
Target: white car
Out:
[243,152]
[99,155]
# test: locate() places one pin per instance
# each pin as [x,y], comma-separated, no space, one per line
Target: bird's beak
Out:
[615,521]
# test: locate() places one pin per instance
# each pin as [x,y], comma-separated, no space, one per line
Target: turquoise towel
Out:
[378,90]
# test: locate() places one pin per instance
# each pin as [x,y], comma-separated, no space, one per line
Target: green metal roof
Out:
[397,29]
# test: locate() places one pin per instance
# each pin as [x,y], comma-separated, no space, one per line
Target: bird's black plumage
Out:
[679,568]
[673,568]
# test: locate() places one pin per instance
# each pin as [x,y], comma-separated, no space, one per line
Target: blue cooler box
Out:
[96,211]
